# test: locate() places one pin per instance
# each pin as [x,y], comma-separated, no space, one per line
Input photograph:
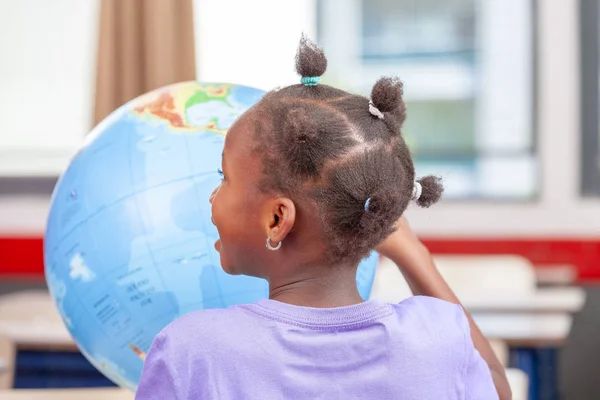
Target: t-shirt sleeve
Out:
[478,382]
[158,380]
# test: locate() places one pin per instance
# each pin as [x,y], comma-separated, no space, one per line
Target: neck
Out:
[322,287]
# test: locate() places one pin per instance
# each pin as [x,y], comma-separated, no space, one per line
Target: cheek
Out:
[225,210]
[236,215]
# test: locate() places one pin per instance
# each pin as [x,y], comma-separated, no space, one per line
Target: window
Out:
[590,98]
[47,78]
[468,69]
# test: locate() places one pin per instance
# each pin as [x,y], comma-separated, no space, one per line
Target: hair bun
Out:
[431,190]
[387,93]
[310,59]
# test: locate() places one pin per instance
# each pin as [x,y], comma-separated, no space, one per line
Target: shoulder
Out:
[429,308]
[181,353]
[200,327]
[435,320]
[199,337]
[441,329]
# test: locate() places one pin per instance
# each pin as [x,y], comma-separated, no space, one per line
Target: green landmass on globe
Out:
[171,105]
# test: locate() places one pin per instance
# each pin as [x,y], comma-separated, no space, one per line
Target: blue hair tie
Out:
[367,203]
[310,80]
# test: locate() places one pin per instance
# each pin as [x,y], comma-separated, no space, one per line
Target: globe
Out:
[129,244]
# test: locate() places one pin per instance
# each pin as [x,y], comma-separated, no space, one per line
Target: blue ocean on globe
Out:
[129,245]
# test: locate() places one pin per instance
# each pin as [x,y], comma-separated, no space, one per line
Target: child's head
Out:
[324,172]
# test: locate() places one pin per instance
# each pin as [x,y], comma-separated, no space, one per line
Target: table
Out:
[543,300]
[30,319]
[390,286]
[525,329]
[555,274]
[66,394]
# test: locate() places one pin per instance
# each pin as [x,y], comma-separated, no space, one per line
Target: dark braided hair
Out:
[323,145]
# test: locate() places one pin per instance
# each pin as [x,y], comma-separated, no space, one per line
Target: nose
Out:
[213,194]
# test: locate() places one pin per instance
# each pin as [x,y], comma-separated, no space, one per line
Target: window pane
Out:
[424,28]
[590,98]
[467,67]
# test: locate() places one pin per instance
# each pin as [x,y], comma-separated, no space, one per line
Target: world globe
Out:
[129,244]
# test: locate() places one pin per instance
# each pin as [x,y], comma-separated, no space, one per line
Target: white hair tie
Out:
[417,190]
[375,111]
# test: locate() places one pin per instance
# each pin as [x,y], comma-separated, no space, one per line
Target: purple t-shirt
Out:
[418,349]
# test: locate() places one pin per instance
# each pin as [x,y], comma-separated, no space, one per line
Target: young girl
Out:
[314,178]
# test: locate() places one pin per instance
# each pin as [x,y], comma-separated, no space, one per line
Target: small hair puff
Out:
[298,127]
[387,94]
[310,59]
[432,190]
[302,140]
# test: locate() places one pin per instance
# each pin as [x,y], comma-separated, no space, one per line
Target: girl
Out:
[314,178]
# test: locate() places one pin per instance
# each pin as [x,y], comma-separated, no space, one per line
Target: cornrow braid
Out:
[344,153]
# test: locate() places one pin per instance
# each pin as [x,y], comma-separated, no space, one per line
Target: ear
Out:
[281,218]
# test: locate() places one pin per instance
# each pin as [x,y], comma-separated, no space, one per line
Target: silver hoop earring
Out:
[270,247]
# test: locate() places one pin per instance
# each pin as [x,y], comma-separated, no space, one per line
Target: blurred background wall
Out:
[503,102]
[494,91]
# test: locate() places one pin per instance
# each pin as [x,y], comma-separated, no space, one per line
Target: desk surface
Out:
[30,320]
[391,287]
[66,394]
[525,329]
[543,300]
